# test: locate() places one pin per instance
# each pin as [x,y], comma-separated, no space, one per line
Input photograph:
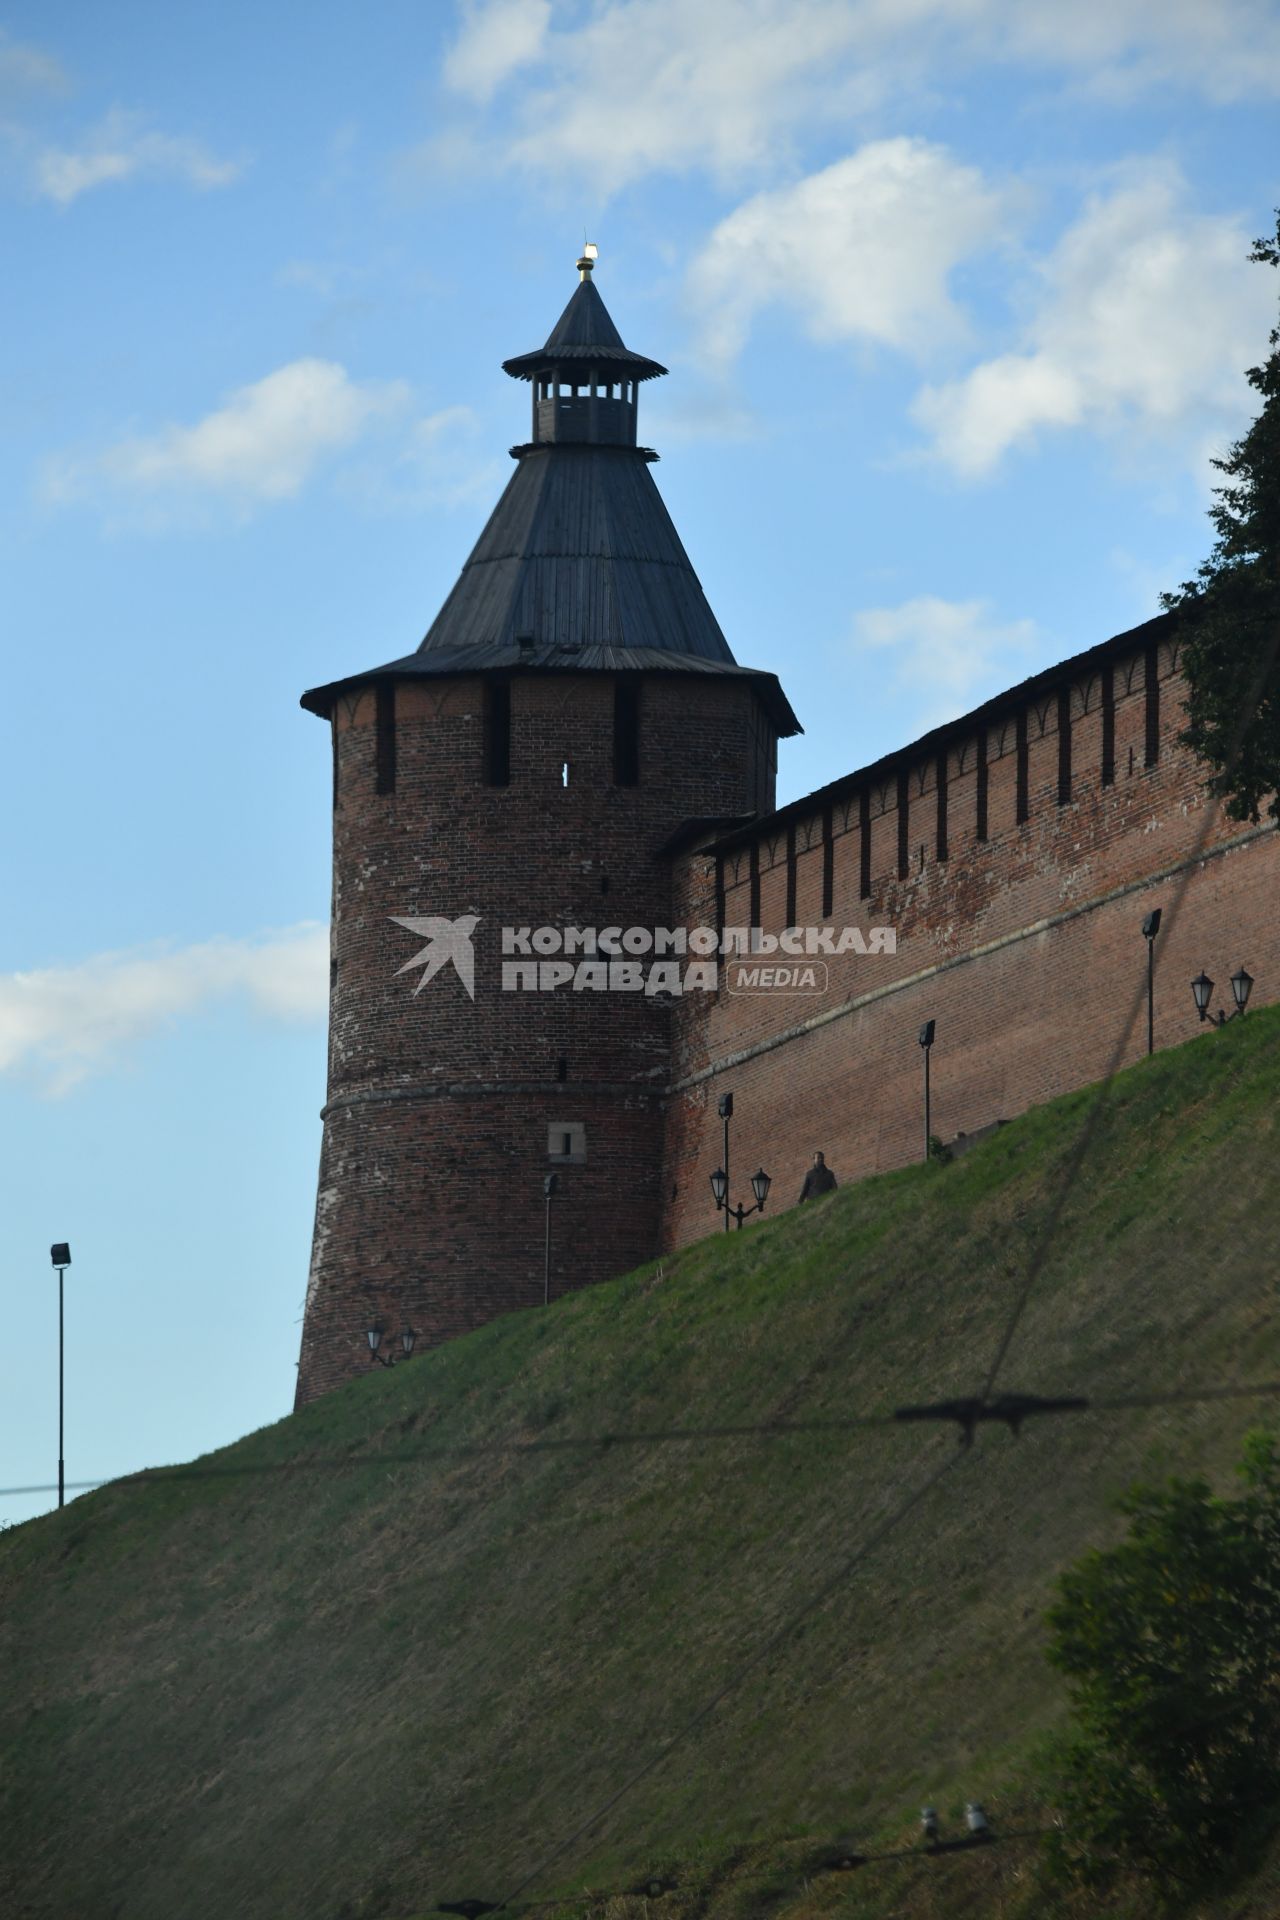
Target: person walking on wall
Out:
[819,1179]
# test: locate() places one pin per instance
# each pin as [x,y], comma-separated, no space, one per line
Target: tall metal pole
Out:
[1151,994]
[546,1250]
[727,1185]
[927,1052]
[61,1467]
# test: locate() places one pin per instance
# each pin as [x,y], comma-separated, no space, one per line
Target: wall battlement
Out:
[1014,855]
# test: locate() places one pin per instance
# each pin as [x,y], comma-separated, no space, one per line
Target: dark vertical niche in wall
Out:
[755,884]
[385,736]
[864,844]
[791,874]
[719,895]
[1108,725]
[1023,780]
[497,733]
[1151,682]
[942,848]
[904,825]
[828,864]
[626,733]
[1064,746]
[981,784]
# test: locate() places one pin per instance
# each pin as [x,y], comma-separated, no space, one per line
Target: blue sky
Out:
[955,298]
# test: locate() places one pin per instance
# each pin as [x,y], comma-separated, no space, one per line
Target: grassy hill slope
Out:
[372,1656]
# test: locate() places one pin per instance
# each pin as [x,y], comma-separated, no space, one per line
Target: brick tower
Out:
[572,708]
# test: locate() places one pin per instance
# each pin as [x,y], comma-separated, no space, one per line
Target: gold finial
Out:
[590,254]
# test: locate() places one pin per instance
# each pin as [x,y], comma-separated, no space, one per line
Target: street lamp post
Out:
[550,1187]
[60,1254]
[725,1110]
[760,1185]
[1202,992]
[926,1046]
[1151,927]
[374,1336]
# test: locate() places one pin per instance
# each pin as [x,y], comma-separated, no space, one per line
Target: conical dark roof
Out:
[580,551]
[579,566]
[584,333]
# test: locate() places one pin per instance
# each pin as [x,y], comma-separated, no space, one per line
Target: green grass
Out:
[347,1670]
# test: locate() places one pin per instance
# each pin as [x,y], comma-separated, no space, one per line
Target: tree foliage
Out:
[1170,1643]
[1230,613]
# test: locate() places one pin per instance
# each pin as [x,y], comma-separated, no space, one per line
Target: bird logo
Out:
[447,940]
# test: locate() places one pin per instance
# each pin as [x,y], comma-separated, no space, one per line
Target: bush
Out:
[1170,1642]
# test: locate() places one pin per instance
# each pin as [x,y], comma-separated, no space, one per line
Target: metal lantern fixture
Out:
[1241,988]
[976,1820]
[760,1185]
[929,1823]
[1202,988]
[375,1336]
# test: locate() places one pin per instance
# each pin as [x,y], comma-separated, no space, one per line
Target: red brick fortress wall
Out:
[1015,861]
[430,1208]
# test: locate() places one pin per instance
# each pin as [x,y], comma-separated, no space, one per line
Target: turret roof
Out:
[579,565]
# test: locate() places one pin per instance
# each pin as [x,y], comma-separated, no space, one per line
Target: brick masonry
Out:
[1014,858]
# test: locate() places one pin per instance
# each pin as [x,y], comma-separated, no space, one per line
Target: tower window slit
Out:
[626,734]
[385,737]
[497,734]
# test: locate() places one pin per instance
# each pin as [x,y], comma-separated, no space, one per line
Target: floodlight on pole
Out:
[925,1036]
[1150,928]
[550,1188]
[60,1257]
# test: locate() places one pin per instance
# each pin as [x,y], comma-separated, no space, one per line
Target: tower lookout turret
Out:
[572,705]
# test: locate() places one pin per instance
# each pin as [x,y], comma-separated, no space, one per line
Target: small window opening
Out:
[562,1068]
[604,883]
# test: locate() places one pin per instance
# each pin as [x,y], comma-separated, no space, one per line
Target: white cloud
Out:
[1146,317]
[629,87]
[63,1023]
[497,37]
[25,69]
[263,443]
[861,250]
[662,85]
[1225,49]
[949,654]
[439,460]
[124,148]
